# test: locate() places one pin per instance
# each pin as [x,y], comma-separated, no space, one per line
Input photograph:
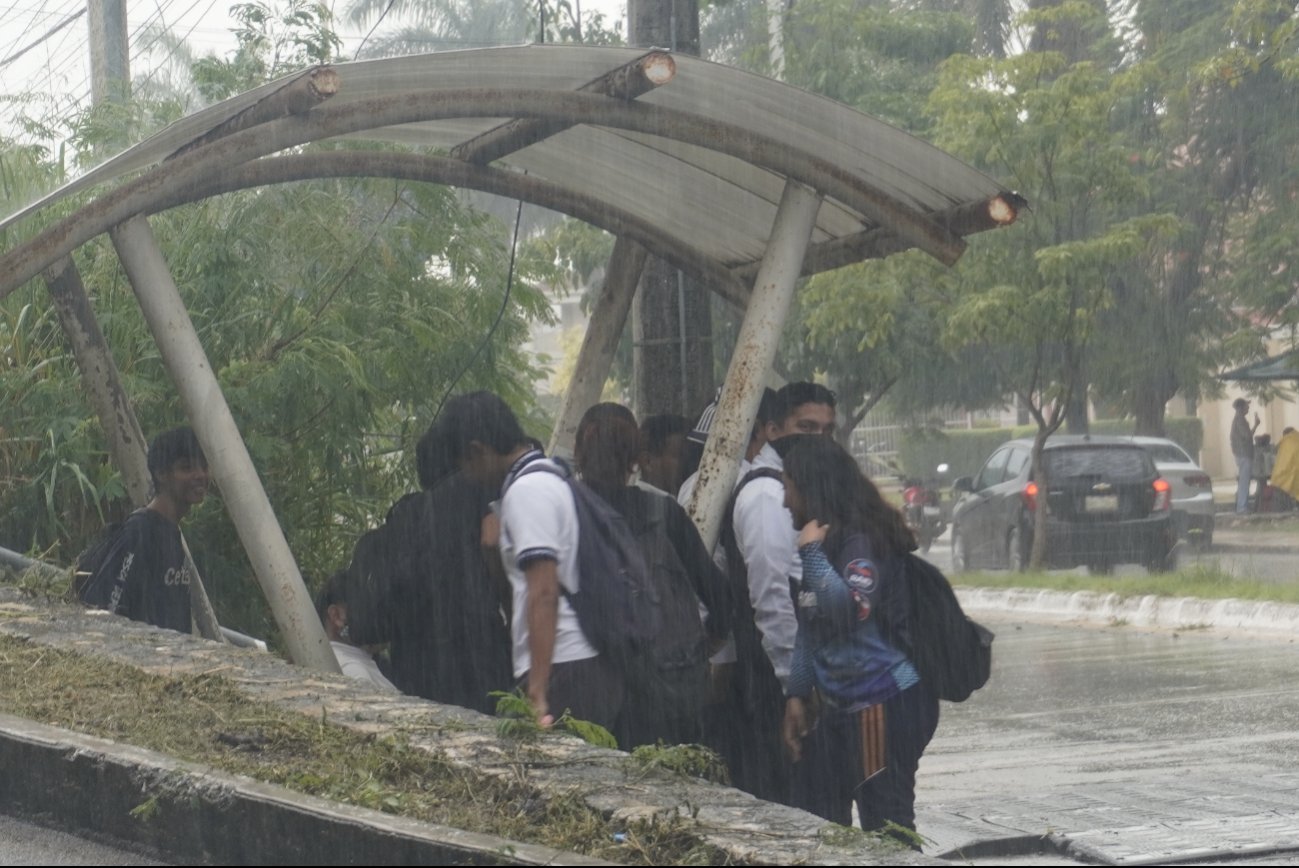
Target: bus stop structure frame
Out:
[742,181]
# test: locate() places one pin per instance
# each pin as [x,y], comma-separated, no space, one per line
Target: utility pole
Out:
[776,10]
[110,72]
[672,323]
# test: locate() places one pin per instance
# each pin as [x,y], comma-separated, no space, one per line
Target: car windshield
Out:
[1108,462]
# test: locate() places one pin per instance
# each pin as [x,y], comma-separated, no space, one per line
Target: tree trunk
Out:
[1148,407]
[1077,419]
[1037,557]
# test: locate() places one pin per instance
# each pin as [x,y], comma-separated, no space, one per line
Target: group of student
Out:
[785,657]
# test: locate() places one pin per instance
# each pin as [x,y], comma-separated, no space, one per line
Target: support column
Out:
[600,342]
[228,458]
[755,350]
[672,361]
[126,444]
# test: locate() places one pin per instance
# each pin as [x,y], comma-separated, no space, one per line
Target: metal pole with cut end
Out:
[231,465]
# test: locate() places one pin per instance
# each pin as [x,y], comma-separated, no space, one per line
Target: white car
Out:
[1192,489]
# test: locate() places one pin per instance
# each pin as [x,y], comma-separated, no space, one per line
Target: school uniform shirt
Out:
[539,520]
[766,538]
[725,654]
[357,664]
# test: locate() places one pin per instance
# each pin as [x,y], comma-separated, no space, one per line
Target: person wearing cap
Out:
[1242,449]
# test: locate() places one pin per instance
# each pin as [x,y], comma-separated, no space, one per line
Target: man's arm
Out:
[765,536]
[542,577]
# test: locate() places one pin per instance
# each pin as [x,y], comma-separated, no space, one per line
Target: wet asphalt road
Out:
[1140,746]
[23,843]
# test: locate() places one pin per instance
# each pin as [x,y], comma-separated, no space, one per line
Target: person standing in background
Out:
[1242,449]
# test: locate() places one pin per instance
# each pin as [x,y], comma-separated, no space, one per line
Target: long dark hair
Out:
[836,492]
[607,446]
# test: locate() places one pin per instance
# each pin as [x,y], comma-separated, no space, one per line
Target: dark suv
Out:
[1107,505]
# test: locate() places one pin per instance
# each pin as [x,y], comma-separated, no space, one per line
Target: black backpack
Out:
[758,684]
[617,605]
[680,650]
[99,593]
[951,653]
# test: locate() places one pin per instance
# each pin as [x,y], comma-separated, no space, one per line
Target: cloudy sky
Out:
[47,40]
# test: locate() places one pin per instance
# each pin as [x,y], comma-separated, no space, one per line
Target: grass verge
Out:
[205,719]
[1195,581]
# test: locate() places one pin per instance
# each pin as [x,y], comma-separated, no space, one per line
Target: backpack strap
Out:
[757,680]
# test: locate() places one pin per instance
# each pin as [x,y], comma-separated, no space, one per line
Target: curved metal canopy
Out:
[721,172]
[685,156]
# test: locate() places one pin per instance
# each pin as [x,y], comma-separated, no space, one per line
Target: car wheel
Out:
[960,559]
[1016,561]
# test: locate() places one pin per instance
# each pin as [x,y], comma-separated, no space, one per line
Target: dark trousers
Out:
[744,729]
[589,689]
[830,776]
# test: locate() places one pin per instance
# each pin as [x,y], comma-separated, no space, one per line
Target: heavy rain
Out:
[830,431]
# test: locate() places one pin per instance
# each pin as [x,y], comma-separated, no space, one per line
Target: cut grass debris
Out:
[205,719]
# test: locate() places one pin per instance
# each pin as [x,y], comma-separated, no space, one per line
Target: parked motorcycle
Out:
[922,505]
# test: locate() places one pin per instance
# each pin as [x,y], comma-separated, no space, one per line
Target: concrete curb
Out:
[1144,611]
[750,831]
[194,815]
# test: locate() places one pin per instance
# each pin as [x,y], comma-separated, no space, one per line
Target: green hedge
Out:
[965,450]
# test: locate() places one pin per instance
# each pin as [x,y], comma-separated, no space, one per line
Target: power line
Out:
[183,40]
[53,30]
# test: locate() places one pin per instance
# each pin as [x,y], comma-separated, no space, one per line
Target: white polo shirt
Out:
[539,519]
[765,536]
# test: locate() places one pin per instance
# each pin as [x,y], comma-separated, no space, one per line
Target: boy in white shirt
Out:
[555,663]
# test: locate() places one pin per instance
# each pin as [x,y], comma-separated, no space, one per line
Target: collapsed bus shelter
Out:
[741,181]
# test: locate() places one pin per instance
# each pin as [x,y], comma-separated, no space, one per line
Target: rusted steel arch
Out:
[721,172]
[22,264]
[434,169]
[1000,210]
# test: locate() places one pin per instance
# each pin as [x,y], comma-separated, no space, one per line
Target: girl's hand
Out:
[812,532]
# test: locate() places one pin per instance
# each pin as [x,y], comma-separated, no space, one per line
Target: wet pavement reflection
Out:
[1127,746]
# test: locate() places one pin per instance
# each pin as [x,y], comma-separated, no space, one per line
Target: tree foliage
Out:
[336,316]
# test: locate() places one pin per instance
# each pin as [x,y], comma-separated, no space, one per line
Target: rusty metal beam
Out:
[434,169]
[626,82]
[302,94]
[444,170]
[25,262]
[103,383]
[600,342]
[967,219]
[232,467]
[755,350]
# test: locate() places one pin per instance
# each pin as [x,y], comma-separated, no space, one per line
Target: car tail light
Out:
[1163,495]
[1030,496]
[1198,480]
